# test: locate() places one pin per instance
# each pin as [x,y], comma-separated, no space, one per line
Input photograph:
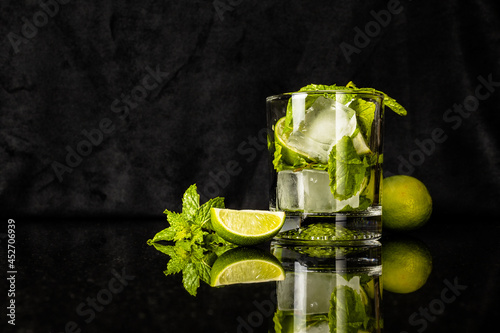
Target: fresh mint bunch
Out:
[192,244]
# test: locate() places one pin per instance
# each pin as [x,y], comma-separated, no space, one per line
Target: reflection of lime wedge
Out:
[246,227]
[245,265]
[291,156]
[368,190]
[360,145]
[370,288]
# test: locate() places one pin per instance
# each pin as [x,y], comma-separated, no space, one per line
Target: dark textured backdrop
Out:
[170,93]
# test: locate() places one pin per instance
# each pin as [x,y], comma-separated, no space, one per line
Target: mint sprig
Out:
[347,169]
[390,102]
[192,244]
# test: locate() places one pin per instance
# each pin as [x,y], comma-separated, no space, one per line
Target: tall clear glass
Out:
[326,164]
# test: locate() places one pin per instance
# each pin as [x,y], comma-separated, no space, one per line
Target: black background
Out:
[218,60]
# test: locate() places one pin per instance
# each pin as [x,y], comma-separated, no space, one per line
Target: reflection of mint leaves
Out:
[348,313]
[286,322]
[351,310]
[347,170]
[195,244]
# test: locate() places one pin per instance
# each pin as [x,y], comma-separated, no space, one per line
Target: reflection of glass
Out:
[326,153]
[328,289]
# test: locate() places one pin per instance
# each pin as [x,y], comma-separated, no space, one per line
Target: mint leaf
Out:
[298,162]
[278,158]
[315,87]
[180,225]
[190,278]
[167,249]
[202,216]
[188,259]
[179,258]
[216,244]
[190,202]
[197,234]
[167,234]
[393,105]
[203,268]
[365,114]
[390,102]
[341,98]
[346,169]
[179,228]
[347,311]
[278,319]
[364,203]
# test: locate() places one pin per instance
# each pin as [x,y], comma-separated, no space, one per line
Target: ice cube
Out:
[318,197]
[314,150]
[323,125]
[318,288]
[292,222]
[285,292]
[306,292]
[352,201]
[290,191]
[321,327]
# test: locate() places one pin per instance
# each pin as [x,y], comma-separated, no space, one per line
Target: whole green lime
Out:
[406,265]
[406,203]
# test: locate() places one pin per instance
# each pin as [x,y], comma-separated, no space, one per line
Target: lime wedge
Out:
[246,227]
[245,265]
[291,156]
[360,145]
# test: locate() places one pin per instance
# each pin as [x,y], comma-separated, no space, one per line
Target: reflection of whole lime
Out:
[406,265]
[406,203]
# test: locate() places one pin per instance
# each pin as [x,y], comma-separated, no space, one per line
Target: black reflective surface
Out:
[101,276]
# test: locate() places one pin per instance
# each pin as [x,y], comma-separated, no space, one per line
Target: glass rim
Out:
[321,92]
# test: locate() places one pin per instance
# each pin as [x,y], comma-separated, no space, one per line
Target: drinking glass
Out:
[326,164]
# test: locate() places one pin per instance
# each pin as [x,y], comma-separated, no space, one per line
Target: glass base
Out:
[331,229]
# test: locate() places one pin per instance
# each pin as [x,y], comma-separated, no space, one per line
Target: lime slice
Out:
[291,156]
[245,265]
[246,227]
[360,145]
